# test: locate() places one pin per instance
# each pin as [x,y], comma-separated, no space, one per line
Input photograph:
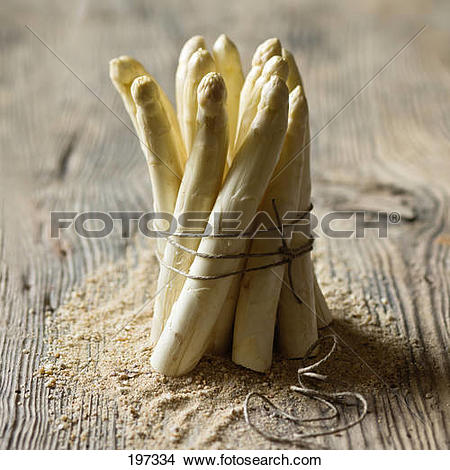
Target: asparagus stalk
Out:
[123,70]
[294,79]
[228,63]
[191,45]
[198,190]
[188,329]
[222,334]
[276,65]
[161,147]
[200,64]
[297,321]
[324,317]
[266,50]
[260,290]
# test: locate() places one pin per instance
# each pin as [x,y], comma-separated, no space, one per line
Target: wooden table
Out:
[378,88]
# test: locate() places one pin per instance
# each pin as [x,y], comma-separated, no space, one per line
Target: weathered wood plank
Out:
[63,149]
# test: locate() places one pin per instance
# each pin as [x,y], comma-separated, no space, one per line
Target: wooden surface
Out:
[62,148]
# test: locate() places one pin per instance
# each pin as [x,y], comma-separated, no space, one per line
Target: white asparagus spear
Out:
[294,79]
[248,102]
[222,335]
[190,46]
[260,290]
[123,70]
[247,89]
[276,65]
[324,317]
[228,63]
[297,323]
[263,53]
[188,329]
[200,64]
[198,191]
[160,145]
[221,338]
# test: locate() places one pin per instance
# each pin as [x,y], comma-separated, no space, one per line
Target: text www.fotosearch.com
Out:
[227,460]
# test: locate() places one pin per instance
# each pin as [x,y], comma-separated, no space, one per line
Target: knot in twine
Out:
[288,254]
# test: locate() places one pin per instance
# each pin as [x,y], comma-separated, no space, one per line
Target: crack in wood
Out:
[64,157]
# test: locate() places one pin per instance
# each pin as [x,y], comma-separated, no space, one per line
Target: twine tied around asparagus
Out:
[288,254]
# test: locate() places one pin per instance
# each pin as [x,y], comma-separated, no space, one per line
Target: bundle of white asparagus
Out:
[233,145]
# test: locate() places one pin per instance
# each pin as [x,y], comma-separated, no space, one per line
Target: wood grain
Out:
[65,147]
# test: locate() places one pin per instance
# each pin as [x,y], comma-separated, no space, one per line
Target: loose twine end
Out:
[329,399]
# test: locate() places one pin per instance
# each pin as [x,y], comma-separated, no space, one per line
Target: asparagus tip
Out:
[211,91]
[223,38]
[274,93]
[190,46]
[144,89]
[296,95]
[265,51]
[199,58]
[125,69]
[224,42]
[276,65]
